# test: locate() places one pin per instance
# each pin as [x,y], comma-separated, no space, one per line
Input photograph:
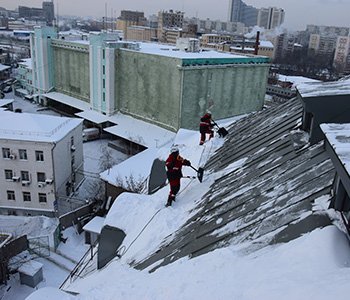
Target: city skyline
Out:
[299,13]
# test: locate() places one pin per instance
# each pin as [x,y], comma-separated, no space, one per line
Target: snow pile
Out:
[30,226]
[300,269]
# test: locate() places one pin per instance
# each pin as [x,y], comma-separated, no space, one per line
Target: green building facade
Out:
[175,92]
[156,83]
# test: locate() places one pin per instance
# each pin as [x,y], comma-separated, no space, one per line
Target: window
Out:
[103,83]
[26,196]
[39,155]
[41,176]
[11,195]
[72,140]
[6,152]
[22,154]
[42,198]
[25,175]
[103,69]
[8,174]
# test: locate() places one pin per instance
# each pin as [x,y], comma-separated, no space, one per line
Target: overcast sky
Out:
[299,13]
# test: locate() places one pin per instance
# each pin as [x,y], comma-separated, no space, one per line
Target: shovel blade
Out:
[222,132]
[200,174]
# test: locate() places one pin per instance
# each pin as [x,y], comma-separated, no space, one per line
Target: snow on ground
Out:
[53,276]
[75,246]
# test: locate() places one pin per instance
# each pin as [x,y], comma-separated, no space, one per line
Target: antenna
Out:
[112,19]
[105,17]
[57,21]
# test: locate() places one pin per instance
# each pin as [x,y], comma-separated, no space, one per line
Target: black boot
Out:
[171,198]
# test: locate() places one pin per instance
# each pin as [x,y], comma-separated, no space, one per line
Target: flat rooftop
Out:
[338,136]
[35,127]
[316,89]
[204,57]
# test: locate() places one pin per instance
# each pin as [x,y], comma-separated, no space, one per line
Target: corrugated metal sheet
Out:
[268,199]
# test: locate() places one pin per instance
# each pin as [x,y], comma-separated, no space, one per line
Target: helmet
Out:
[174,149]
[209,112]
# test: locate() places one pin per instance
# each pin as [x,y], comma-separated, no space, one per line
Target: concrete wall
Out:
[148,87]
[62,160]
[156,89]
[32,166]
[72,73]
[324,109]
[225,90]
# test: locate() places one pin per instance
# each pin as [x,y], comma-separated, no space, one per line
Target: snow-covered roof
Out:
[27,62]
[22,91]
[68,100]
[94,225]
[172,51]
[296,80]
[315,89]
[137,167]
[3,67]
[4,102]
[266,44]
[258,172]
[30,268]
[138,131]
[35,127]
[338,136]
[92,116]
[82,42]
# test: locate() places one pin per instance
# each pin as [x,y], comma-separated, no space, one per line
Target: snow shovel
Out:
[200,172]
[222,131]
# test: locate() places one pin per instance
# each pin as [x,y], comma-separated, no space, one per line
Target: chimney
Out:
[257,43]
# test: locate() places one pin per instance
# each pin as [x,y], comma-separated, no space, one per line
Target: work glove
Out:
[186,162]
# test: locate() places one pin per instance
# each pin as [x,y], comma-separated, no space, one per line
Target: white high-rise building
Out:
[271,17]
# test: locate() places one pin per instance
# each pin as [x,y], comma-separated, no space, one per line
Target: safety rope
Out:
[142,230]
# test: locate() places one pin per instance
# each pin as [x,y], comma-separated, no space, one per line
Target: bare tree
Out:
[132,184]
[106,160]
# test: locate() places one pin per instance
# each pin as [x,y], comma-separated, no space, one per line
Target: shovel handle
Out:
[216,124]
[194,168]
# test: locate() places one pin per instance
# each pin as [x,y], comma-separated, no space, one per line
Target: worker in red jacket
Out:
[205,127]
[174,165]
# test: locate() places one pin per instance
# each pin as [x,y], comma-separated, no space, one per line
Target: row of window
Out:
[22,154]
[41,176]
[26,196]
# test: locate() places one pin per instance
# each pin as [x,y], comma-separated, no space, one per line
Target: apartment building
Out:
[169,20]
[41,162]
[239,11]
[211,40]
[342,54]
[141,33]
[130,18]
[25,78]
[270,18]
[322,45]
